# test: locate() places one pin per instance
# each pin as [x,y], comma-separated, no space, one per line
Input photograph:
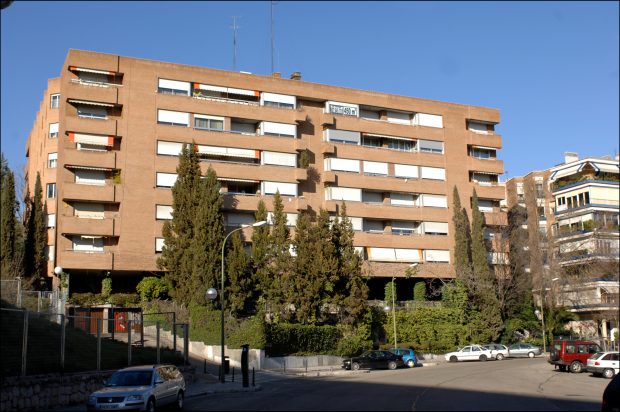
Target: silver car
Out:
[498,351]
[524,350]
[142,388]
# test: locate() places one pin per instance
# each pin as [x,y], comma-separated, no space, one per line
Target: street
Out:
[512,384]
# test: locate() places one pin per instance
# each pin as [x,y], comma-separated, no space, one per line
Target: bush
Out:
[352,345]
[86,299]
[151,288]
[419,291]
[124,299]
[106,287]
[204,324]
[289,339]
[250,331]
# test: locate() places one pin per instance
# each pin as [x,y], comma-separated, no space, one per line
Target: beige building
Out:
[107,137]
[575,228]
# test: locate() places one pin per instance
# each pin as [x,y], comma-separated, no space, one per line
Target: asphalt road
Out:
[508,385]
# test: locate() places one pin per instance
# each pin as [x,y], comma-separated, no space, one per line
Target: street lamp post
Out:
[222,338]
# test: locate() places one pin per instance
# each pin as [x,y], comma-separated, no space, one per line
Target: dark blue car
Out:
[408,356]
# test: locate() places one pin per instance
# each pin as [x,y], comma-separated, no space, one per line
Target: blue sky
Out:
[551,68]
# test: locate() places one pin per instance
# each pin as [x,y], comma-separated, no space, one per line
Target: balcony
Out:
[490,191]
[79,91]
[495,217]
[81,125]
[390,240]
[73,225]
[483,165]
[382,127]
[485,140]
[92,193]
[106,160]
[249,203]
[70,259]
[389,183]
[386,211]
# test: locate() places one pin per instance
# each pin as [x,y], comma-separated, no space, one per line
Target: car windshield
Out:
[130,378]
[597,355]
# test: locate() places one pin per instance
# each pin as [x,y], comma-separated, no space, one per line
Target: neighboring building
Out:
[109,131]
[578,202]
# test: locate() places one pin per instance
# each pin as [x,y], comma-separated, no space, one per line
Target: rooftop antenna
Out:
[235,27]
[273,3]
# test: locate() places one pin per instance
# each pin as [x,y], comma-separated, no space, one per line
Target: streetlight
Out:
[222,339]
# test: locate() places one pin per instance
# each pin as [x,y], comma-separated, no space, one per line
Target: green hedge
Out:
[293,339]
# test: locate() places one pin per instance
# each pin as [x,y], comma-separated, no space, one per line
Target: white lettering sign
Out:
[343,110]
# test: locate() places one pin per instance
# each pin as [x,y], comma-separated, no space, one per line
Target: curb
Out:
[227,390]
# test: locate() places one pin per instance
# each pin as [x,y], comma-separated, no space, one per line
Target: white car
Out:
[470,352]
[498,351]
[604,363]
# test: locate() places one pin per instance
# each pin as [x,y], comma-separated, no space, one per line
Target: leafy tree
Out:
[178,233]
[208,236]
[35,262]
[106,286]
[151,287]
[8,223]
[240,290]
[390,293]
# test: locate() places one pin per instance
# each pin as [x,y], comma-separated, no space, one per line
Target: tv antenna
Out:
[273,3]
[235,27]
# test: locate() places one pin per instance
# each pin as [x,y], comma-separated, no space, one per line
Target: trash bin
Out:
[226,365]
[244,365]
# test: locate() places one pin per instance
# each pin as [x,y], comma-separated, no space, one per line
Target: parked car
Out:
[604,363]
[572,354]
[141,388]
[470,352]
[408,355]
[374,359]
[498,351]
[523,350]
[611,396]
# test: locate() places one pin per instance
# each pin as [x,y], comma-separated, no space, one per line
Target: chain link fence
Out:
[40,342]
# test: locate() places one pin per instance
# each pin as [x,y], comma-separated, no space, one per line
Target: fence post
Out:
[174,332]
[129,326]
[25,343]
[62,342]
[99,325]
[186,343]
[157,344]
[141,328]
[19,293]
[38,301]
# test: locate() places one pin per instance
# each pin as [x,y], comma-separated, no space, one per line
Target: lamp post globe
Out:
[58,270]
[211,294]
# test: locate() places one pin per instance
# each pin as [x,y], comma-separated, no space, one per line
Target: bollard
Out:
[284,363]
[205,367]
[253,376]
[233,377]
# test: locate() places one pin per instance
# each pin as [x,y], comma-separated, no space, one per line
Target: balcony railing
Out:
[94,83]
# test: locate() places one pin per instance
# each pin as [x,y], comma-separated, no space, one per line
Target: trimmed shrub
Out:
[124,299]
[419,291]
[151,288]
[289,339]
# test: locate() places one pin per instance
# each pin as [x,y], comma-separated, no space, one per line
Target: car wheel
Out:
[355,366]
[531,354]
[150,405]
[483,358]
[499,356]
[410,363]
[392,365]
[576,367]
[179,404]
[608,373]
[453,358]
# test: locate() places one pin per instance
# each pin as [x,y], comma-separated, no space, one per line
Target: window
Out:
[163,212]
[433,173]
[208,123]
[430,146]
[278,100]
[285,189]
[51,190]
[54,101]
[169,148]
[53,131]
[278,129]
[279,159]
[52,159]
[89,244]
[89,210]
[90,177]
[428,120]
[342,136]
[172,118]
[159,244]
[375,168]
[165,179]
[401,145]
[92,112]
[51,220]
[173,87]
[540,193]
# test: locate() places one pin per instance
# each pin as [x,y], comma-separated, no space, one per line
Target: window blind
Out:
[159,244]
[174,84]
[406,171]
[53,128]
[291,218]
[167,116]
[163,212]
[88,243]
[398,117]
[430,146]
[346,165]
[344,193]
[372,197]
[428,120]
[407,255]
[90,177]
[280,159]
[402,199]
[433,173]
[277,98]
[89,210]
[51,220]
[285,189]
[169,148]
[375,168]
[281,129]
[436,227]
[434,200]
[334,135]
[433,255]
[166,179]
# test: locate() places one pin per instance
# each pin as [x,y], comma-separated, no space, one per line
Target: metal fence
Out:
[40,342]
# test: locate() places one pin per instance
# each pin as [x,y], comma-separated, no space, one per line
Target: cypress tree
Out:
[206,245]
[39,216]
[279,257]
[303,294]
[8,223]
[4,167]
[479,258]
[462,247]
[260,254]
[350,289]
[28,235]
[240,290]
[178,233]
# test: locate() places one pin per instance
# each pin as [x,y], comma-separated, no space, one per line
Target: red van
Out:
[572,354]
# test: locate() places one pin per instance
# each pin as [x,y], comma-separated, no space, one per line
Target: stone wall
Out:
[42,392]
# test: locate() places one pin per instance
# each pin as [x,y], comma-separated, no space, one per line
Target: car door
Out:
[162,390]
[612,360]
[475,352]
[465,353]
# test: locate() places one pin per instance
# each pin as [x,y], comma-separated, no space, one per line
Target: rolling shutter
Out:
[89,210]
[345,165]
[166,179]
[344,193]
[90,177]
[280,159]
[372,197]
[167,116]
[406,171]
[401,199]
[53,128]
[169,148]
[436,227]
[375,168]
[434,201]
[285,189]
[430,146]
[477,127]
[428,120]
[399,117]
[433,173]
[280,129]
[175,85]
[333,135]
[407,255]
[432,255]
[277,98]
[88,243]
[163,212]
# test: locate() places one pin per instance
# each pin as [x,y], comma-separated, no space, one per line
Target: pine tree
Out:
[178,233]
[206,245]
[241,289]
[260,254]
[8,223]
[462,243]
[350,290]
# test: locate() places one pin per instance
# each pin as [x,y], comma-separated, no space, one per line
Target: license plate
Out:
[109,406]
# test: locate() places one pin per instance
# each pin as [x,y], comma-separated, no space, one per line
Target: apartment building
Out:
[107,137]
[573,217]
